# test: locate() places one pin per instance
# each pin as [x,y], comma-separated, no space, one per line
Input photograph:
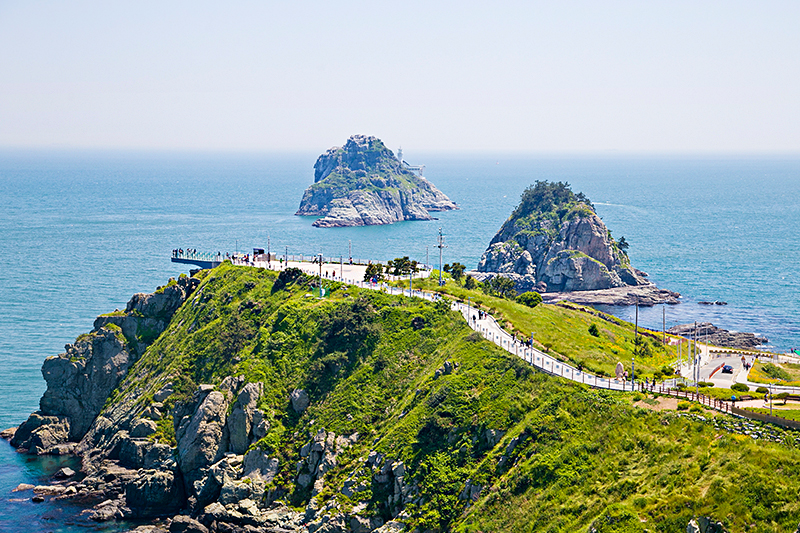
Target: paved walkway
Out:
[709,361]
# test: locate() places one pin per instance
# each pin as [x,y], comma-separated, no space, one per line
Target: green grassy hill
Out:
[487,443]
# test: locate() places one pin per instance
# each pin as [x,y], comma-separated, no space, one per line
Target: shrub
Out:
[740,387]
[776,372]
[657,376]
[782,396]
[705,384]
[469,283]
[695,408]
[532,299]
[593,331]
[637,397]
[762,390]
[668,371]
[683,406]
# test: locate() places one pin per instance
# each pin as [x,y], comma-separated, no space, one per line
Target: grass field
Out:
[564,330]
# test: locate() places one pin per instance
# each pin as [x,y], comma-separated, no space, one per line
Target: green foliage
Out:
[500,286]
[582,457]
[740,387]
[683,406]
[593,330]
[776,372]
[287,277]
[470,283]
[457,271]
[762,390]
[530,299]
[374,271]
[401,266]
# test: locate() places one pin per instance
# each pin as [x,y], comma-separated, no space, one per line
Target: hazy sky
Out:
[648,76]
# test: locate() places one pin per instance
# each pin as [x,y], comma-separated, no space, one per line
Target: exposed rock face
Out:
[80,380]
[364,184]
[718,336]
[555,242]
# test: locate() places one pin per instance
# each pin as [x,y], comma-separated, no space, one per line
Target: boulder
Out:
[154,493]
[186,524]
[199,436]
[258,465]
[143,427]
[300,400]
[240,421]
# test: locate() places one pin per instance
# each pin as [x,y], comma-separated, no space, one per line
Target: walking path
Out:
[488,327]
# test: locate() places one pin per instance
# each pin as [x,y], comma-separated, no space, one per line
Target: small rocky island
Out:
[364,184]
[555,243]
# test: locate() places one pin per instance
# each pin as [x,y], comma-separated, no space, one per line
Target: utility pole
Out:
[350,250]
[441,246]
[636,328]
[664,324]
[269,255]
[286,256]
[696,362]
[320,275]
[427,260]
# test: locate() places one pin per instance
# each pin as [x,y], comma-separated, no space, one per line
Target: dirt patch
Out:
[661,404]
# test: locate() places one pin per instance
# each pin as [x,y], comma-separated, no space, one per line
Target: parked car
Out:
[727,369]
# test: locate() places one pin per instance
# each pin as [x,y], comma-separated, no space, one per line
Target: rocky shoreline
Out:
[708,332]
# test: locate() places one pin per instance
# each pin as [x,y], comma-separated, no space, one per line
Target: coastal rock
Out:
[240,421]
[199,436]
[708,332]
[555,242]
[645,295]
[300,400]
[364,184]
[154,493]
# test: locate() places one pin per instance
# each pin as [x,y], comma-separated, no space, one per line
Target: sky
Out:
[567,76]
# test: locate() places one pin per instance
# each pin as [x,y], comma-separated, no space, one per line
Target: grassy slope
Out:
[369,370]
[566,331]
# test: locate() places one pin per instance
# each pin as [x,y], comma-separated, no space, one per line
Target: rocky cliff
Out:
[364,184]
[555,242]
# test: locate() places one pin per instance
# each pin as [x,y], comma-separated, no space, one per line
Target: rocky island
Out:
[555,243]
[364,184]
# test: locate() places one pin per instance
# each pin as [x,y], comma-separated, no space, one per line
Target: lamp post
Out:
[633,371]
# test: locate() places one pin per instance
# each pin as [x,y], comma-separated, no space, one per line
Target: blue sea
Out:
[82,231]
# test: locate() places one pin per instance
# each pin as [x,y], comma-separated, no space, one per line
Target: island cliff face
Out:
[364,184]
[555,242]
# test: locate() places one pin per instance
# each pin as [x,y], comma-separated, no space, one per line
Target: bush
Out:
[532,299]
[695,408]
[740,387]
[658,377]
[683,406]
[593,331]
[776,372]
[469,283]
[705,384]
[782,396]
[637,397]
[762,390]
[668,371]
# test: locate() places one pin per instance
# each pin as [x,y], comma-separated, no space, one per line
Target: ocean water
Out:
[81,232]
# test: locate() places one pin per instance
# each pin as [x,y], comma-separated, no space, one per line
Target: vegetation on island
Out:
[489,445]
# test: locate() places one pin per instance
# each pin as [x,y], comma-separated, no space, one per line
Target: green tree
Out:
[470,283]
[401,266]
[593,331]
[500,286]
[530,298]
[374,270]
[457,271]
[622,244]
